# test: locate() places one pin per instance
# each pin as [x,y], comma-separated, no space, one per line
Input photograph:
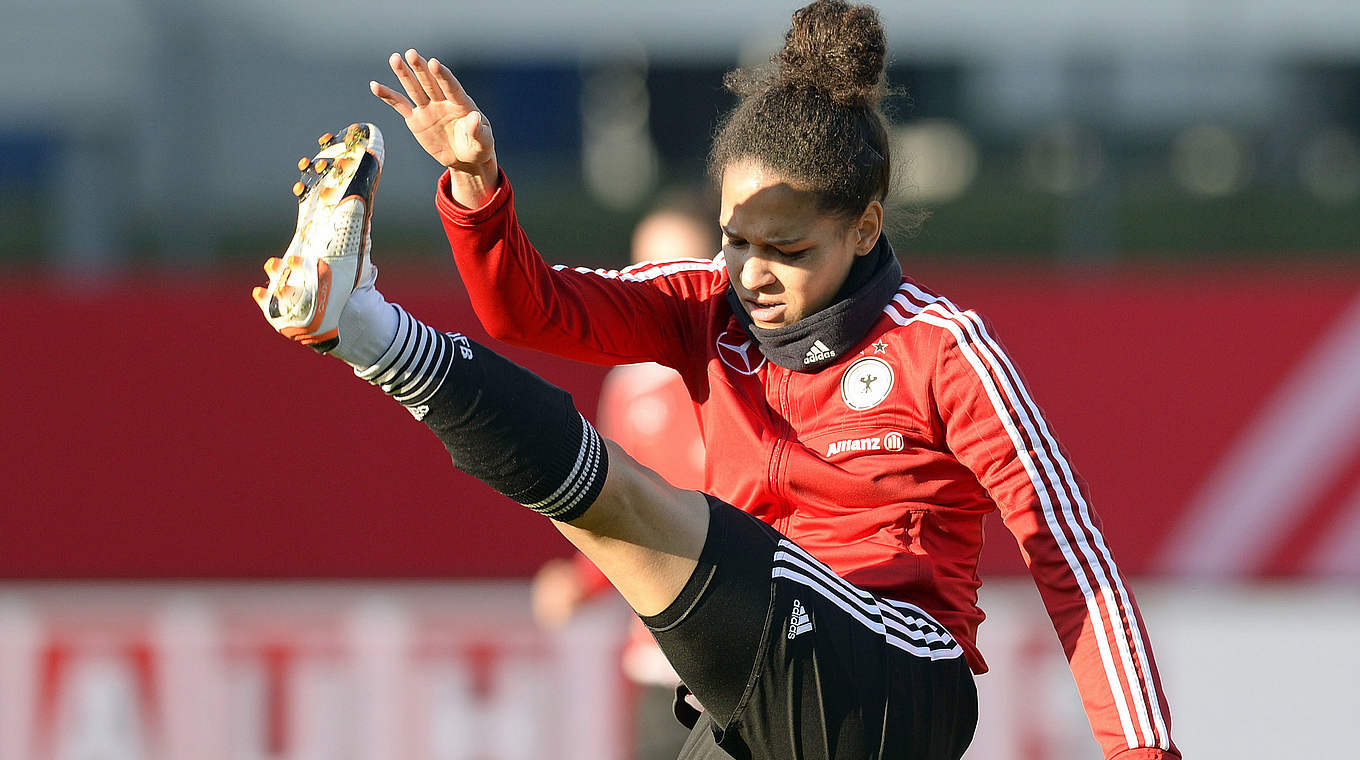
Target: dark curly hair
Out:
[815,117]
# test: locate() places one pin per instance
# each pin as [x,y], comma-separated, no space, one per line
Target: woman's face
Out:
[786,259]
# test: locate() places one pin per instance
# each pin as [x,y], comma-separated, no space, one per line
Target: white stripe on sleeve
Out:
[941,313]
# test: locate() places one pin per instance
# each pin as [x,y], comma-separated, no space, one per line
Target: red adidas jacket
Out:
[883,464]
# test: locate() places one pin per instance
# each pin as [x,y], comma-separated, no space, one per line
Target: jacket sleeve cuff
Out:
[461,215]
[1145,753]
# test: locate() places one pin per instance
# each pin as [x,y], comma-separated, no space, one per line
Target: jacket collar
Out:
[818,340]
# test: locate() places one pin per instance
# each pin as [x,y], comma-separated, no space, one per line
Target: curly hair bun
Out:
[836,48]
[814,117]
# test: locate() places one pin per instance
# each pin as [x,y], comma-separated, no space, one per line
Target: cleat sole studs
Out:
[320,166]
[303,163]
[298,189]
[322,140]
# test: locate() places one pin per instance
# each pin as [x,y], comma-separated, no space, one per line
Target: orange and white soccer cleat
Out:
[329,254]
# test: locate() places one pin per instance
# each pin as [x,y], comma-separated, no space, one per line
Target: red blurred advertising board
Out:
[155,427]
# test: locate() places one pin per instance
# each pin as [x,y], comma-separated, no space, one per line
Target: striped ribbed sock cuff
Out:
[414,367]
[499,422]
[583,482]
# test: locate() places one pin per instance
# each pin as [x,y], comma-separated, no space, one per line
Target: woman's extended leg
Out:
[499,422]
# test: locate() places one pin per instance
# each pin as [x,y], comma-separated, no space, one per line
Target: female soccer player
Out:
[819,598]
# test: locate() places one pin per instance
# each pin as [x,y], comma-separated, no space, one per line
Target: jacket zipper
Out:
[780,445]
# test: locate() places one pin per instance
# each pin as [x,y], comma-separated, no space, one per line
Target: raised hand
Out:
[446,123]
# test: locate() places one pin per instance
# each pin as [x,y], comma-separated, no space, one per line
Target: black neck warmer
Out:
[820,339]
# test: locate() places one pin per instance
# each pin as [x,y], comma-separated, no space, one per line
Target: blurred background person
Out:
[646,409]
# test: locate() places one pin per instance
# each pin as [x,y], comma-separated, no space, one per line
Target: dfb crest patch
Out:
[866,383]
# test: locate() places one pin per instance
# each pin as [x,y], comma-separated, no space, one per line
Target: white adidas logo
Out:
[818,352]
[799,621]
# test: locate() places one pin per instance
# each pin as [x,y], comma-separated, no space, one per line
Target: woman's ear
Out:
[868,228]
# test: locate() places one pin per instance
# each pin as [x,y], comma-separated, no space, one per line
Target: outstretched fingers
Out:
[392,98]
[449,84]
[414,90]
[422,72]
[440,115]
[425,82]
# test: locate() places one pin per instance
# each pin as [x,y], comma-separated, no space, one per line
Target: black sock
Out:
[501,423]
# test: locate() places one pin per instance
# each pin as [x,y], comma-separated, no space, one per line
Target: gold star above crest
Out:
[880,347]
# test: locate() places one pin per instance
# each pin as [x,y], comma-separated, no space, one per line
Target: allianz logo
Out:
[889,442]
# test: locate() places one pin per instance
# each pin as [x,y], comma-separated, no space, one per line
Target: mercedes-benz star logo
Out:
[738,351]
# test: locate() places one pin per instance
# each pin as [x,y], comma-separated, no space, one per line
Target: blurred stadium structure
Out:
[1157,204]
[1053,128]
